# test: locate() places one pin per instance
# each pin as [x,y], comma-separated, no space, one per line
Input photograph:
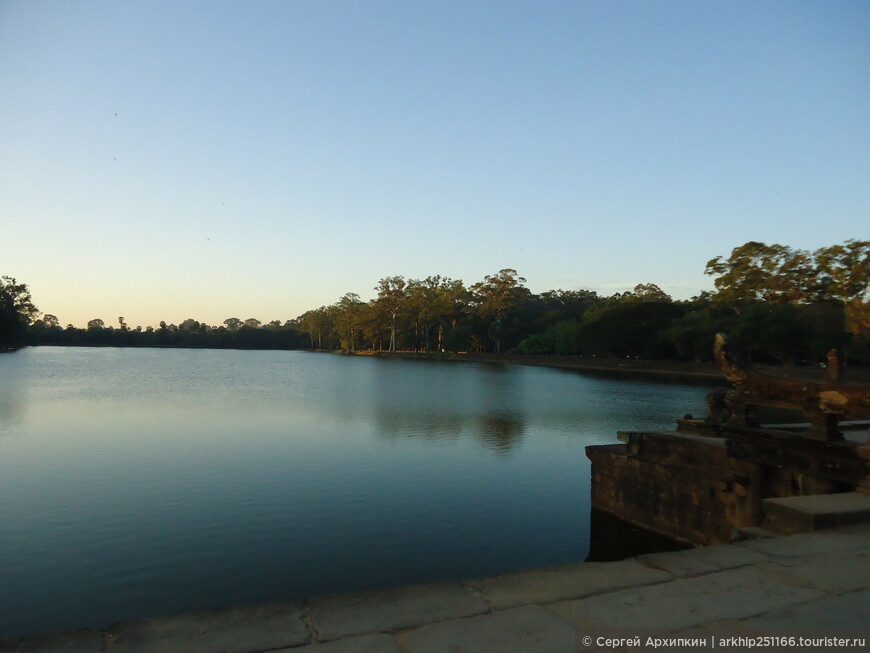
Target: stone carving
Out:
[824,402]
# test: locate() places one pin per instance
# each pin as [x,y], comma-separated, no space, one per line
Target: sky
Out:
[165,160]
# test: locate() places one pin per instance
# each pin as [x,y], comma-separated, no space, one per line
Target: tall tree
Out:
[649,292]
[757,271]
[231,323]
[844,274]
[17,311]
[497,293]
[316,323]
[391,295]
[348,319]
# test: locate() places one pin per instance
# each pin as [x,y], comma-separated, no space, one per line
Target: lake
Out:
[140,482]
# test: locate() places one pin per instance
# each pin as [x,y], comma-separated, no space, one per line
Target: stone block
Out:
[831,614]
[377,643]
[678,564]
[845,572]
[73,641]
[725,556]
[551,584]
[804,544]
[390,610]
[240,630]
[529,629]
[731,594]
[814,512]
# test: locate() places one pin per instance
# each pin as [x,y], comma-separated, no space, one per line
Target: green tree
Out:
[391,296]
[316,323]
[759,272]
[844,275]
[349,320]
[649,292]
[496,294]
[17,311]
[233,324]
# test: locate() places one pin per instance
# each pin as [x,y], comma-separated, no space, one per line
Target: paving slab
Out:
[241,630]
[74,641]
[845,572]
[389,610]
[529,629]
[756,533]
[730,594]
[725,556]
[857,529]
[539,586]
[725,637]
[805,544]
[831,614]
[378,643]
[678,564]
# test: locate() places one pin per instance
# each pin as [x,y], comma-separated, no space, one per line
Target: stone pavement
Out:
[814,585]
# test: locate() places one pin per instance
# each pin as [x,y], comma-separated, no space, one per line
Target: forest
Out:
[780,305]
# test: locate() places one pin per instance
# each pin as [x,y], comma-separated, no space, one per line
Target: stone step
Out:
[815,512]
[754,533]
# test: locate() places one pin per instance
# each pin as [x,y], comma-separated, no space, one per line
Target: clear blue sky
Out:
[165,160]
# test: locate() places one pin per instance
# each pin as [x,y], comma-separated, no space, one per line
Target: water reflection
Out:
[613,539]
[428,426]
[12,410]
[141,482]
[12,400]
[483,402]
[497,431]
[501,431]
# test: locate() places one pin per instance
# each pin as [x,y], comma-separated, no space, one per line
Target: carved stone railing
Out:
[824,402]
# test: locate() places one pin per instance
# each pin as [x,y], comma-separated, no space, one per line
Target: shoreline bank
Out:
[691,371]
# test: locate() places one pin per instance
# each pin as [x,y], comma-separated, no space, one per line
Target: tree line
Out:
[232,334]
[778,303]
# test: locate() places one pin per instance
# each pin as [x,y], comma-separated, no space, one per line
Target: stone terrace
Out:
[811,584]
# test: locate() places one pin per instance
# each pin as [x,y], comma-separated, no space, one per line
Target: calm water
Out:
[137,482]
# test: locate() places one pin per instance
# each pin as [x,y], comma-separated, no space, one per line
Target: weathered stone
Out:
[254,628]
[672,484]
[833,614]
[678,564]
[564,582]
[806,544]
[725,556]
[529,629]
[845,572]
[755,533]
[824,402]
[814,512]
[732,594]
[390,610]
[74,641]
[378,643]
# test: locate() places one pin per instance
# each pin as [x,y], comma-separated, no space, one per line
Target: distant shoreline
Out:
[687,371]
[674,370]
